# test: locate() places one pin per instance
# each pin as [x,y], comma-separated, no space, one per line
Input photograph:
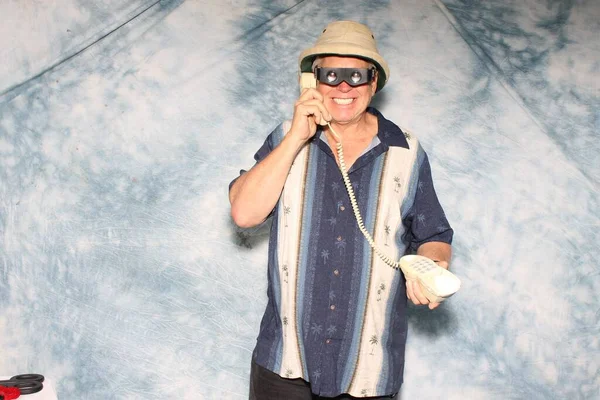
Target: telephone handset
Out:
[307,81]
[437,283]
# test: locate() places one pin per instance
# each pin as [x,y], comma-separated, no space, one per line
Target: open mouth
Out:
[342,102]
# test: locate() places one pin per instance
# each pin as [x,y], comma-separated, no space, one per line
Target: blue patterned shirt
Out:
[336,313]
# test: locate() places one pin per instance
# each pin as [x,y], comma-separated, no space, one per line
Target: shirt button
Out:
[342,208]
[332,307]
[328,341]
[339,238]
[336,272]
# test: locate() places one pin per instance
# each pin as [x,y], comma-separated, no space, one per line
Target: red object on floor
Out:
[10,393]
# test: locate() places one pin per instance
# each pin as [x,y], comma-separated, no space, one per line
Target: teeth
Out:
[343,101]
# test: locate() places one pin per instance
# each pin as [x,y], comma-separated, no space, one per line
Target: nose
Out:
[344,87]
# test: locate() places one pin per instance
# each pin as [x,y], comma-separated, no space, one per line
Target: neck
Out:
[363,128]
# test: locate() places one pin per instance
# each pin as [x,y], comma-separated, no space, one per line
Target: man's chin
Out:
[345,118]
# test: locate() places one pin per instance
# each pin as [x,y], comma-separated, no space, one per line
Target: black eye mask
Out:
[352,76]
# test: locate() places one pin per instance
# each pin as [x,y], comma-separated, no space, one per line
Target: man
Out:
[335,323]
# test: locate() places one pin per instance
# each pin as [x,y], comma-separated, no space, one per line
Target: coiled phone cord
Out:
[354,203]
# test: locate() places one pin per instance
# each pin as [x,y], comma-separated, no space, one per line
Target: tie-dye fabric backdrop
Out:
[122,123]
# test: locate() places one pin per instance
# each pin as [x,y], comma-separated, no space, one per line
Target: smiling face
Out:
[346,104]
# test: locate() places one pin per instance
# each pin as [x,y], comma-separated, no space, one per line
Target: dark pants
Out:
[267,385]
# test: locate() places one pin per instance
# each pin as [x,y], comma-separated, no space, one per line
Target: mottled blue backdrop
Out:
[122,123]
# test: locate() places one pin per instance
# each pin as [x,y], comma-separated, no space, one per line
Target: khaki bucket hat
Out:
[347,38]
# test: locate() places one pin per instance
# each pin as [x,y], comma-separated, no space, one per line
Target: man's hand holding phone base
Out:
[428,282]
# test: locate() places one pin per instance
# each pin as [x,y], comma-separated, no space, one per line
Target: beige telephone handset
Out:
[437,283]
[307,81]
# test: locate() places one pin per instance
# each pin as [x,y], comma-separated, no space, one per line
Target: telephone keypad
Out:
[422,266]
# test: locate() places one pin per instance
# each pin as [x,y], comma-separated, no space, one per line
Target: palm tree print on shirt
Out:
[325,255]
[331,330]
[332,221]
[374,341]
[335,186]
[288,373]
[286,211]
[380,290]
[421,219]
[331,296]
[387,231]
[340,243]
[285,273]
[285,324]
[397,185]
[316,329]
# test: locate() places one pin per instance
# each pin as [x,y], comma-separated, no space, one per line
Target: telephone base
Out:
[437,283]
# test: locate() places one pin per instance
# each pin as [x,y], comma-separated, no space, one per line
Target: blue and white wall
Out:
[122,123]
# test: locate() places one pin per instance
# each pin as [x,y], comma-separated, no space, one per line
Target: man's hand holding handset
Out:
[309,111]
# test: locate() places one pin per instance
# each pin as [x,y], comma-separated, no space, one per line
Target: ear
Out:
[374,84]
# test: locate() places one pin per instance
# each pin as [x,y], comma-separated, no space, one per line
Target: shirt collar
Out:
[388,133]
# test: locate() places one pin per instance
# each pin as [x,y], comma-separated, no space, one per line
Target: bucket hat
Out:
[347,38]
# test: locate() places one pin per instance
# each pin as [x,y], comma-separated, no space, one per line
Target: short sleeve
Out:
[426,220]
[260,155]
